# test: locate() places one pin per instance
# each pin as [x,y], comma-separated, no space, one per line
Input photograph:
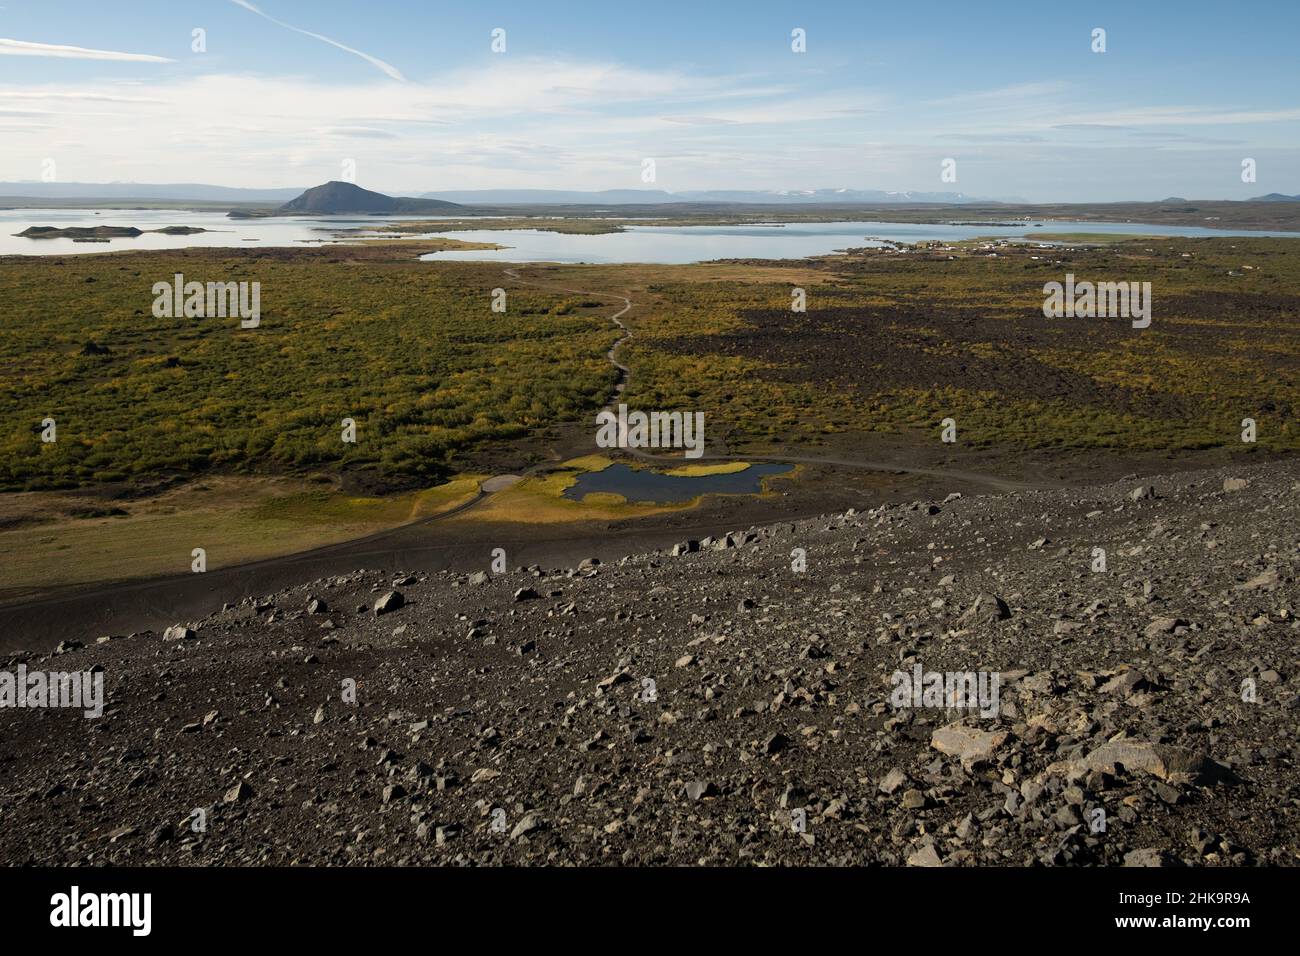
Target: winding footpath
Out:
[624,373]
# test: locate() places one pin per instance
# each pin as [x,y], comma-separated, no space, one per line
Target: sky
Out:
[288,93]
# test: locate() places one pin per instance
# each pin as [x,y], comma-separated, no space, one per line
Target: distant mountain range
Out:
[1271,197]
[335,197]
[200,192]
[173,191]
[618,197]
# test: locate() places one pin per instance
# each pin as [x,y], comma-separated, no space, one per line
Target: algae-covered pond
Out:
[643,485]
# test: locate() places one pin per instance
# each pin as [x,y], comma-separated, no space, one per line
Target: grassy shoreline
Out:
[234,519]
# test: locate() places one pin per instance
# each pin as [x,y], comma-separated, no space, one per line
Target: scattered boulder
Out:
[1163,625]
[1264,581]
[893,780]
[925,856]
[775,743]
[1168,763]
[1147,857]
[530,823]
[966,743]
[390,602]
[700,789]
[987,609]
[239,793]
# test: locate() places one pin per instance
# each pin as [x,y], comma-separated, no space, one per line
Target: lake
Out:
[287,231]
[643,485]
[653,244]
[682,244]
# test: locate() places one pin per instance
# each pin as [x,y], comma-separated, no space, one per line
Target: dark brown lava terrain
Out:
[716,706]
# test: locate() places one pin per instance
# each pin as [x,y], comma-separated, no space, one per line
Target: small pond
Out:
[643,485]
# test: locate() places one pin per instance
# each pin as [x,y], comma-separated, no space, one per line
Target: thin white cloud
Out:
[387,68]
[360,132]
[92,97]
[1013,94]
[25,48]
[1186,116]
[698,120]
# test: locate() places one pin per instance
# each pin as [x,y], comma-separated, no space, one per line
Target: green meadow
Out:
[412,353]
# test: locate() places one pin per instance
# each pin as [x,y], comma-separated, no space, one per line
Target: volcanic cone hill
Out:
[335,198]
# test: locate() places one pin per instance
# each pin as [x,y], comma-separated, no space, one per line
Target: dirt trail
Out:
[624,373]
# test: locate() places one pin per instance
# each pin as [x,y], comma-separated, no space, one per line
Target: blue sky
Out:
[411,94]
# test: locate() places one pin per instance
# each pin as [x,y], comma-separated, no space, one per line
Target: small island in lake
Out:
[101,233]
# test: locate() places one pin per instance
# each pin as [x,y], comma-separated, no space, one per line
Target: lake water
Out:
[287,231]
[681,244]
[655,244]
[643,485]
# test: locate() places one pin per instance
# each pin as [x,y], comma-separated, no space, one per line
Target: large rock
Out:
[1146,857]
[987,609]
[893,780]
[700,789]
[967,743]
[390,602]
[1163,625]
[925,856]
[530,823]
[1172,764]
[239,793]
[620,676]
[1265,581]
[1126,682]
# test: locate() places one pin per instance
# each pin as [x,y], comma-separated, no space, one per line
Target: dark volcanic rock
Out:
[716,708]
[391,601]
